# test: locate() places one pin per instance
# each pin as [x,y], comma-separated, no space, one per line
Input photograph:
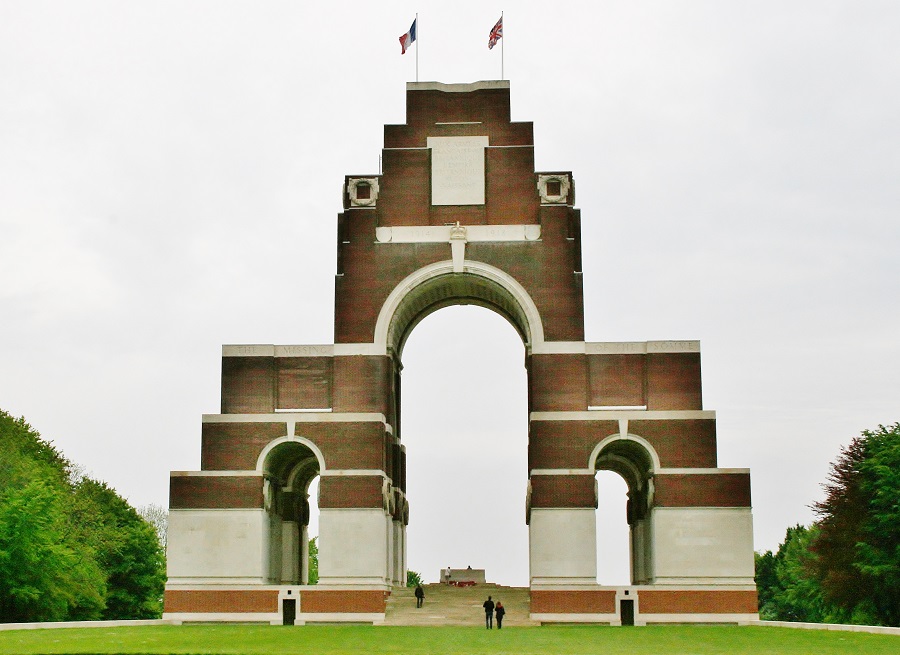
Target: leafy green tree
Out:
[127,549]
[313,577]
[413,578]
[858,546]
[786,581]
[70,547]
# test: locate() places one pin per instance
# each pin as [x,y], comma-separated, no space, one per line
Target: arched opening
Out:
[464,427]
[289,467]
[634,461]
[613,533]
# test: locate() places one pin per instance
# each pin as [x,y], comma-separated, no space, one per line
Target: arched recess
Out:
[289,465]
[636,461]
[437,285]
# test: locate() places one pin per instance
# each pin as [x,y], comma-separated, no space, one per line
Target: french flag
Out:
[409,38]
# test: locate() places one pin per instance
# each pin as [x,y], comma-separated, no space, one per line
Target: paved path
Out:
[445,605]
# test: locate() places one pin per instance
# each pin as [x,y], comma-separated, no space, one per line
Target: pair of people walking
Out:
[492,610]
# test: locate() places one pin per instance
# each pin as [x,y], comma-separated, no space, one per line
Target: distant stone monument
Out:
[459,216]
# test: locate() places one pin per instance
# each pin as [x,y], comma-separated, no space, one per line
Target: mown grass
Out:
[548,640]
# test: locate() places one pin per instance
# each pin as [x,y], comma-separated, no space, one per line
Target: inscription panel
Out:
[457,169]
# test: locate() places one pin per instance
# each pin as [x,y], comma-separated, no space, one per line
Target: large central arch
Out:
[458,216]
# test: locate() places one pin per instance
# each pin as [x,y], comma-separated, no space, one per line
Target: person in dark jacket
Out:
[420,595]
[499,611]
[488,606]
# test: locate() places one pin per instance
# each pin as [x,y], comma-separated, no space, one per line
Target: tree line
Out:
[71,548]
[845,567]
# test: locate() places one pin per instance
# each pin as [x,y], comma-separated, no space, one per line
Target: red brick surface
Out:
[697,602]
[673,381]
[221,601]
[350,491]
[588,601]
[617,379]
[703,490]
[236,446]
[356,601]
[565,444]
[248,385]
[558,383]
[687,443]
[304,382]
[563,491]
[215,492]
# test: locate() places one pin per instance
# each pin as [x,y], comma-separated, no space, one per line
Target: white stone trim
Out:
[353,349]
[640,347]
[300,417]
[617,408]
[457,88]
[844,627]
[562,472]
[517,291]
[49,625]
[352,186]
[355,472]
[305,618]
[269,350]
[443,233]
[272,445]
[547,617]
[643,619]
[226,617]
[564,186]
[701,471]
[651,451]
[638,415]
[559,348]
[214,474]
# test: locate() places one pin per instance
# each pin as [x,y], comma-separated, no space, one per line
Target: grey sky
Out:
[170,175]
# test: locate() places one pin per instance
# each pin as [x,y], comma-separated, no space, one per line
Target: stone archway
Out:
[459,215]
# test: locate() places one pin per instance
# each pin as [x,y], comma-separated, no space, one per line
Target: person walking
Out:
[420,596]
[499,611]
[488,606]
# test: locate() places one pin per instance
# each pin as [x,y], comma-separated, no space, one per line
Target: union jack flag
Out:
[496,33]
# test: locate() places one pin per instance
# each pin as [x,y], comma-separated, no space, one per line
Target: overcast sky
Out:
[170,176]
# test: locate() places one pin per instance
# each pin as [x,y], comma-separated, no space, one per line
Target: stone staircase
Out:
[446,605]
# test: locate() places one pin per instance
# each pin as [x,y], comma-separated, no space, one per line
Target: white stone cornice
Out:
[634,415]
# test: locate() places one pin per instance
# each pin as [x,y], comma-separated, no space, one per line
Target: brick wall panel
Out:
[703,490]
[215,492]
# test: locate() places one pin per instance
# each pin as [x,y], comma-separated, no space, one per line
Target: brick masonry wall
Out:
[220,601]
[248,385]
[215,492]
[697,602]
[334,601]
[673,381]
[558,383]
[563,491]
[565,444]
[588,601]
[350,492]
[687,443]
[703,490]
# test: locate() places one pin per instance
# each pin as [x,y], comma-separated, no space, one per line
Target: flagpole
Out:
[502,50]
[418,46]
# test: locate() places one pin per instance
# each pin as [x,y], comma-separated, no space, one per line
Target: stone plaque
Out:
[457,169]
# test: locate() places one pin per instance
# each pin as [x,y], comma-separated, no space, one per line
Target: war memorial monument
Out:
[458,216]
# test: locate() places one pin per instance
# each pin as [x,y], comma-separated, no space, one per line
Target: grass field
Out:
[337,640]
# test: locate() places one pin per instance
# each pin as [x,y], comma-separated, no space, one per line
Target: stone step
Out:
[447,605]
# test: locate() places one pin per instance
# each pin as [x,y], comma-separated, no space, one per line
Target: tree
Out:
[413,578]
[786,581]
[127,550]
[858,545]
[158,517]
[313,576]
[70,546]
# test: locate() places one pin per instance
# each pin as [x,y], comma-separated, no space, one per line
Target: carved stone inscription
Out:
[457,169]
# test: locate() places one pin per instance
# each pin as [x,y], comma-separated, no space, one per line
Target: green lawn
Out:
[337,640]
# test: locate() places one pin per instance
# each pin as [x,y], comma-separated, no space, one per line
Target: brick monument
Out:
[458,216]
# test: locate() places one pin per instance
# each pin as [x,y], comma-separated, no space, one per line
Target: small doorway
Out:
[626,611]
[288,611]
